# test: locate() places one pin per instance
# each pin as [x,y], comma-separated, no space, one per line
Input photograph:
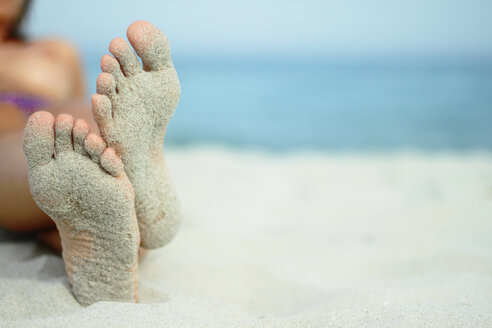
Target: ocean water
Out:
[331,104]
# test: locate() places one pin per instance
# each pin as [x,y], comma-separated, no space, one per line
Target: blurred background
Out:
[322,75]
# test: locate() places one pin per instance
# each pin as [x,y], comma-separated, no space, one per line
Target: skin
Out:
[48,69]
[143,102]
[70,170]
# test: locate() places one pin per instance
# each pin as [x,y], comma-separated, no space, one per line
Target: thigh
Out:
[18,211]
[11,119]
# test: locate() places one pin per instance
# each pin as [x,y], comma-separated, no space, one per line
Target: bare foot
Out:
[82,186]
[133,106]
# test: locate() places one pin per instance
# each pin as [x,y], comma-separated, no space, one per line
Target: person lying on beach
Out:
[103,196]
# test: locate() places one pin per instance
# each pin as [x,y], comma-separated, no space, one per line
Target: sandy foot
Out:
[82,186]
[133,106]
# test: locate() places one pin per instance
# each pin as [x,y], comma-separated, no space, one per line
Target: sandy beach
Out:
[311,239]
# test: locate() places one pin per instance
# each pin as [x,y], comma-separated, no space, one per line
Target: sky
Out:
[437,28]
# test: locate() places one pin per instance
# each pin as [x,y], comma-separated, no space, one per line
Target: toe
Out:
[80,131]
[102,110]
[150,44]
[106,85]
[122,51]
[63,133]
[111,66]
[39,138]
[112,162]
[94,145]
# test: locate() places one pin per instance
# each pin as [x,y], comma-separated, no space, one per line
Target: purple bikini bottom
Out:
[26,103]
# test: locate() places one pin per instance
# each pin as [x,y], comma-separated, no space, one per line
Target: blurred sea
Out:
[331,104]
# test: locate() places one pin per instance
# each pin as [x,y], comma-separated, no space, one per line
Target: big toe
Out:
[150,44]
[39,138]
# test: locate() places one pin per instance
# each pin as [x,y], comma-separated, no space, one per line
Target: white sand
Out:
[305,240]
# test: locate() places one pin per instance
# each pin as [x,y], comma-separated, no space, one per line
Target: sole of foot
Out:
[82,186]
[133,107]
